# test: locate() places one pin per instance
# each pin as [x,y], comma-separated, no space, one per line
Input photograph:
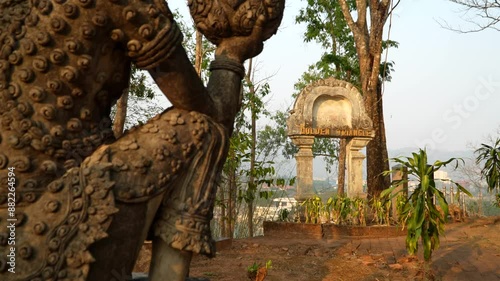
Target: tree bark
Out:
[121,114]
[198,53]
[376,151]
[232,202]
[251,180]
[223,220]
[341,172]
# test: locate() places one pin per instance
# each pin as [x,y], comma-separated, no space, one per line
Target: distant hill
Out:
[467,155]
[433,155]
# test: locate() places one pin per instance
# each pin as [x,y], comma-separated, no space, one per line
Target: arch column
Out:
[304,158]
[355,166]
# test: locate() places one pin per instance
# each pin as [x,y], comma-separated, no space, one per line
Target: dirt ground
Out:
[469,251]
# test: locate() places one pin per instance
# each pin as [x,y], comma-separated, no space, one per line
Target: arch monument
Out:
[329,108]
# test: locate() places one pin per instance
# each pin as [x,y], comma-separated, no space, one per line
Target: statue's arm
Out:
[148,32]
[153,40]
[180,83]
[238,28]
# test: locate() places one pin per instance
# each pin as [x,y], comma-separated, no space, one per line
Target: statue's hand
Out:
[237,27]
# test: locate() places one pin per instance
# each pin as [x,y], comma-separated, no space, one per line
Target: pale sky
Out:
[445,90]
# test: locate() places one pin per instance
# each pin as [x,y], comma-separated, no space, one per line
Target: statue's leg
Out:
[182,226]
[169,164]
[168,263]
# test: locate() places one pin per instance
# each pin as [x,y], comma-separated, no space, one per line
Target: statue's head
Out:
[218,19]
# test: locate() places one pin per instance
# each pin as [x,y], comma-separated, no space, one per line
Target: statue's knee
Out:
[153,158]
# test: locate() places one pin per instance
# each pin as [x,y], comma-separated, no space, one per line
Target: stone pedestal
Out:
[355,167]
[304,160]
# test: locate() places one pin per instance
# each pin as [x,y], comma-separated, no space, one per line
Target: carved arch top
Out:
[330,108]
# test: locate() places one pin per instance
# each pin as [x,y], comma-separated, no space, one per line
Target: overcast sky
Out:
[445,90]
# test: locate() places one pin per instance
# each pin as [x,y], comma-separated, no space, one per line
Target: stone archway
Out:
[329,108]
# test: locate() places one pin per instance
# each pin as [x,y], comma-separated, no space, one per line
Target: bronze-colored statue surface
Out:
[76,203]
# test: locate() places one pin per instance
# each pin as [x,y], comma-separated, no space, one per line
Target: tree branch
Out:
[393,8]
[361,7]
[348,17]
[488,10]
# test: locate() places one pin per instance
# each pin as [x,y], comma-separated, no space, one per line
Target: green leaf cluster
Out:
[340,210]
[381,210]
[138,86]
[189,42]
[489,156]
[424,213]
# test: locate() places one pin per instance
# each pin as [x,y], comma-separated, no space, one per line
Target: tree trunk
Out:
[121,114]
[251,180]
[376,150]
[368,43]
[198,53]
[223,220]
[341,172]
[232,203]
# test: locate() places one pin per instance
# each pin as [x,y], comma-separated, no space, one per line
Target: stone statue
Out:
[77,204]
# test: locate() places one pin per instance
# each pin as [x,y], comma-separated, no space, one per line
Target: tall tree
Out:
[326,25]
[253,108]
[366,22]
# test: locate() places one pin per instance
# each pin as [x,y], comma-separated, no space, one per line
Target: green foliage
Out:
[189,42]
[358,210]
[326,25]
[246,163]
[138,86]
[253,100]
[421,216]
[321,70]
[312,209]
[269,264]
[141,106]
[242,140]
[381,209]
[283,214]
[273,139]
[324,15]
[341,209]
[490,156]
[327,148]
[252,269]
[400,206]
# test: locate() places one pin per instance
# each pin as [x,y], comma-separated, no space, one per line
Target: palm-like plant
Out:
[420,214]
[490,155]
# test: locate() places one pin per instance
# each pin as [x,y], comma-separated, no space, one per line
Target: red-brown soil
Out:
[469,251]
